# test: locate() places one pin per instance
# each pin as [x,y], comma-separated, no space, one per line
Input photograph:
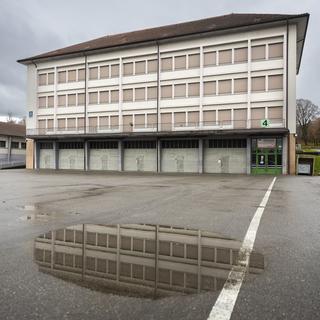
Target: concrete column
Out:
[86,155]
[291,154]
[56,154]
[36,154]
[158,155]
[200,156]
[120,155]
[285,155]
[248,155]
[9,148]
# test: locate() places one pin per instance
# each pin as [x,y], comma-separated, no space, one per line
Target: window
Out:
[275,50]
[104,97]
[180,62]
[114,70]
[166,64]
[152,93]
[103,144]
[224,86]
[42,79]
[128,69]
[139,121]
[275,82]
[71,124]
[71,145]
[227,143]
[240,85]
[193,118]
[42,101]
[93,97]
[128,95]
[14,145]
[114,96]
[152,66]
[23,145]
[104,72]
[140,144]
[81,74]
[209,88]
[275,114]
[209,117]
[81,98]
[180,90]
[151,120]
[209,58]
[72,75]
[166,92]
[140,94]
[2,144]
[50,124]
[193,89]
[225,56]
[72,99]
[140,67]
[240,55]
[258,52]
[224,117]
[93,73]
[257,114]
[258,83]
[240,118]
[50,78]
[61,124]
[50,101]
[46,145]
[179,119]
[179,144]
[62,77]
[194,60]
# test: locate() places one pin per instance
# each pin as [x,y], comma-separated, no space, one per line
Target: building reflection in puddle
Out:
[139,259]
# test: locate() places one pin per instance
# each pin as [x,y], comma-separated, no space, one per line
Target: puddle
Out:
[142,260]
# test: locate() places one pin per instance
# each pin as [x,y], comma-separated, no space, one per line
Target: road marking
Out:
[222,309]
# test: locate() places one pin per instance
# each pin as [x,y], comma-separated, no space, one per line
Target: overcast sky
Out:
[35,26]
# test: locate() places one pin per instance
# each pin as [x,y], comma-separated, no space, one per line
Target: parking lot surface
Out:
[288,237]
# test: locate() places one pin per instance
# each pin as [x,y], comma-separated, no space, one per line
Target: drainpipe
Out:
[287,99]
[158,105]
[85,146]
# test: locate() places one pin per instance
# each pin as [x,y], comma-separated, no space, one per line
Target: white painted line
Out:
[222,309]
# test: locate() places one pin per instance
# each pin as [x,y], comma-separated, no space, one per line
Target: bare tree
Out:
[306,113]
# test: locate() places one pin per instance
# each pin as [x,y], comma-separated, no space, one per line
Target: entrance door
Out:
[266,156]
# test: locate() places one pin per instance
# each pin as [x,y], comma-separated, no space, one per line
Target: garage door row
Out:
[217,156]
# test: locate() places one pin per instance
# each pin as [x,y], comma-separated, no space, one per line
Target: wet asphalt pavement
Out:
[32,203]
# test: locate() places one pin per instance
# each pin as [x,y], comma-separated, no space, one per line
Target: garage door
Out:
[71,155]
[180,156]
[46,155]
[225,156]
[104,155]
[140,156]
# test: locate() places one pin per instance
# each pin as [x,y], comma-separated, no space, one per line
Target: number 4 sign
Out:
[265,123]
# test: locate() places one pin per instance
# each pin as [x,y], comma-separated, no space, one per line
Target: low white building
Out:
[12,144]
[214,95]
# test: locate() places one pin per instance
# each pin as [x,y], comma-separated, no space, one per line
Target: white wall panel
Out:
[225,160]
[71,159]
[179,160]
[104,159]
[140,159]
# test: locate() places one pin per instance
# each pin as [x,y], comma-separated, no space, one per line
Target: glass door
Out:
[266,156]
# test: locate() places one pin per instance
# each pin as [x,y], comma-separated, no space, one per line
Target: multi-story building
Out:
[215,95]
[12,145]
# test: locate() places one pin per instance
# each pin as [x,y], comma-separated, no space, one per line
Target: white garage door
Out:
[225,156]
[46,154]
[180,156]
[104,155]
[71,155]
[140,156]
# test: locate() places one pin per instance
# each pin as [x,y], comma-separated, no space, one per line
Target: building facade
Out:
[12,145]
[214,95]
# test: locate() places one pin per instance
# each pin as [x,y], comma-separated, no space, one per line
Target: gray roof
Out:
[213,24]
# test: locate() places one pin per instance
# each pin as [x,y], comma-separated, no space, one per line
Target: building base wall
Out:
[292,154]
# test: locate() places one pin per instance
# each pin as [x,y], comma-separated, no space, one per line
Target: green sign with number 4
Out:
[265,123]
